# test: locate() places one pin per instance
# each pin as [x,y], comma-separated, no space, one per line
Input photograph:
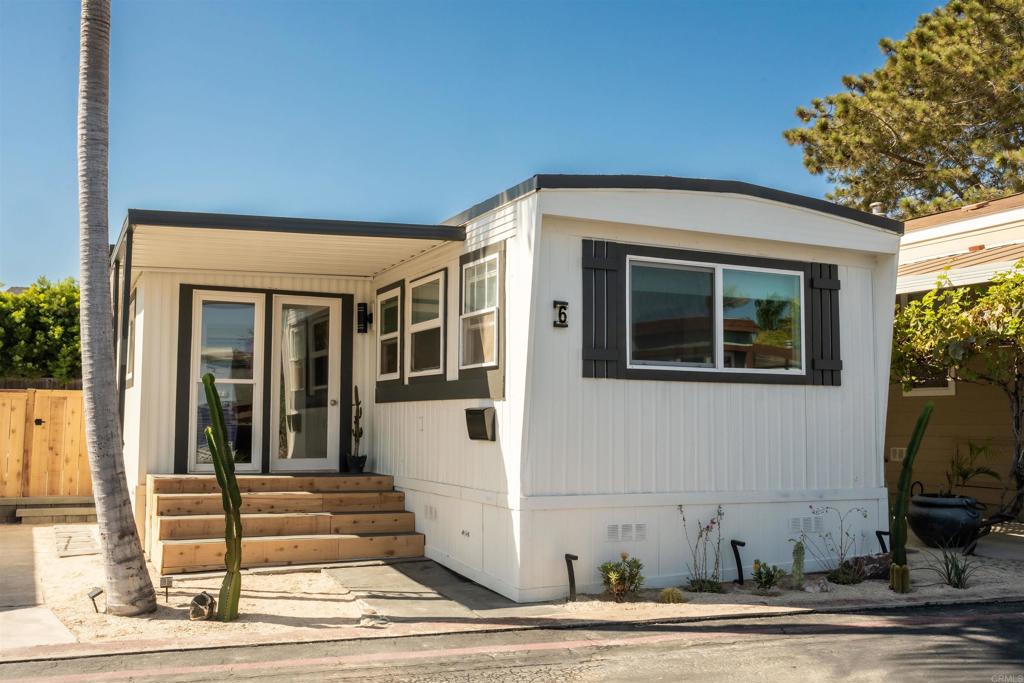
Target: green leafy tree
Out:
[939,125]
[975,333]
[39,331]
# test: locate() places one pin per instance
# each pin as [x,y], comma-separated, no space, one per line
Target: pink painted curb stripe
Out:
[799,630]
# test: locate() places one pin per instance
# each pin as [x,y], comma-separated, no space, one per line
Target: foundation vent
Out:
[806,525]
[617,533]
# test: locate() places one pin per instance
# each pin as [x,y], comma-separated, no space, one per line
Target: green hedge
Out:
[39,331]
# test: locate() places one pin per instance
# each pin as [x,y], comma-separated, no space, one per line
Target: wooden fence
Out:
[42,444]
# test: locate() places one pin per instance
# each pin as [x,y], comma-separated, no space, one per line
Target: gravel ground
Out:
[993,579]
[279,603]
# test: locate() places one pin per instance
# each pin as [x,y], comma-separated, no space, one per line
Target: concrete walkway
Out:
[426,591]
[24,622]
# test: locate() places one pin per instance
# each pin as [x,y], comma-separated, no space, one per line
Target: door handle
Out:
[334,401]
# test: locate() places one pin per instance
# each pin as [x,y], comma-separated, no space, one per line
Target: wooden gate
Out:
[42,444]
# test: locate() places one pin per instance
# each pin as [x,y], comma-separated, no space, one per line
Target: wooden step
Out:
[192,527]
[272,483]
[175,557]
[277,503]
[51,511]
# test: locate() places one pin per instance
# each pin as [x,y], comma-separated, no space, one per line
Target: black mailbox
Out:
[480,423]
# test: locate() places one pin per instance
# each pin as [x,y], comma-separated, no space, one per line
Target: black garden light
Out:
[94,593]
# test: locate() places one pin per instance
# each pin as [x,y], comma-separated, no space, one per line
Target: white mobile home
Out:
[554,370]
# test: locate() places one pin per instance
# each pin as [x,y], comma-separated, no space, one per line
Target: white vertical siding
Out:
[426,441]
[594,436]
[156,374]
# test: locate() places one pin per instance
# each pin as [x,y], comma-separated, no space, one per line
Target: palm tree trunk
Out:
[128,589]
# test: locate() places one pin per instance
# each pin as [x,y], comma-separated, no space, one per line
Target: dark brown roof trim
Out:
[309,226]
[650,182]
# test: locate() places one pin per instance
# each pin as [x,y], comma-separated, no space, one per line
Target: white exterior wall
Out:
[574,455]
[465,493]
[605,452]
[150,404]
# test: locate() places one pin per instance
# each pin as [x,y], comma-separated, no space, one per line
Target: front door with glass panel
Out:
[227,342]
[305,384]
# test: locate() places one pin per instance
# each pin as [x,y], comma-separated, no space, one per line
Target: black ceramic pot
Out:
[950,521]
[356,463]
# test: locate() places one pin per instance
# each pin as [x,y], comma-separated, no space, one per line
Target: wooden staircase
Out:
[286,520]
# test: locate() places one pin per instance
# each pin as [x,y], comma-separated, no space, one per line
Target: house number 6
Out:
[561,314]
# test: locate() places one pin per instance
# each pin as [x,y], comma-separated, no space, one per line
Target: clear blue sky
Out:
[407,111]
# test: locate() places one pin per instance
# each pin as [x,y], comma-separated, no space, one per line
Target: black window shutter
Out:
[600,309]
[826,362]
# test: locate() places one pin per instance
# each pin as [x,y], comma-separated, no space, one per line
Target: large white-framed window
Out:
[708,317]
[478,321]
[425,338]
[227,341]
[389,342]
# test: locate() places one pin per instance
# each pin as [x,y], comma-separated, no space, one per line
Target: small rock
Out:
[203,606]
[871,566]
[820,586]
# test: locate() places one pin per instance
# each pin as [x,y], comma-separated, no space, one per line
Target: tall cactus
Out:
[796,572]
[357,420]
[224,466]
[899,571]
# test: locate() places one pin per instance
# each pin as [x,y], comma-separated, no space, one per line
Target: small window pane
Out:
[321,335]
[236,400]
[426,302]
[389,357]
[478,339]
[425,349]
[481,286]
[389,316]
[227,341]
[672,315]
[761,314]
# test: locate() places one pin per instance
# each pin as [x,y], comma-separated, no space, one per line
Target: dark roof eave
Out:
[308,226]
[649,182]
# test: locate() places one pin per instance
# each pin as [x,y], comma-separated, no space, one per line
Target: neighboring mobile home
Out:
[967,245]
[630,344]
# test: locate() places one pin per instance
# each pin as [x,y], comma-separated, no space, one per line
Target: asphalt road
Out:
[982,643]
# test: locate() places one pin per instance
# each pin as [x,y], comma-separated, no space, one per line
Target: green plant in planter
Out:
[796,573]
[899,571]
[765,577]
[356,462]
[622,578]
[224,467]
[964,466]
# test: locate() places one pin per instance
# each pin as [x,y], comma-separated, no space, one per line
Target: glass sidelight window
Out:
[389,311]
[227,341]
[479,319]
[426,299]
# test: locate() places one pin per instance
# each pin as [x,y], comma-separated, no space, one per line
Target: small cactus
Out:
[224,467]
[899,571]
[796,573]
[671,596]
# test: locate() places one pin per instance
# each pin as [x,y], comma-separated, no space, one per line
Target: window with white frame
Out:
[227,342]
[129,375]
[389,309]
[425,333]
[479,316]
[715,318]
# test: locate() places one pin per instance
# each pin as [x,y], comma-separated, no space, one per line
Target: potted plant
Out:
[356,462]
[945,519]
